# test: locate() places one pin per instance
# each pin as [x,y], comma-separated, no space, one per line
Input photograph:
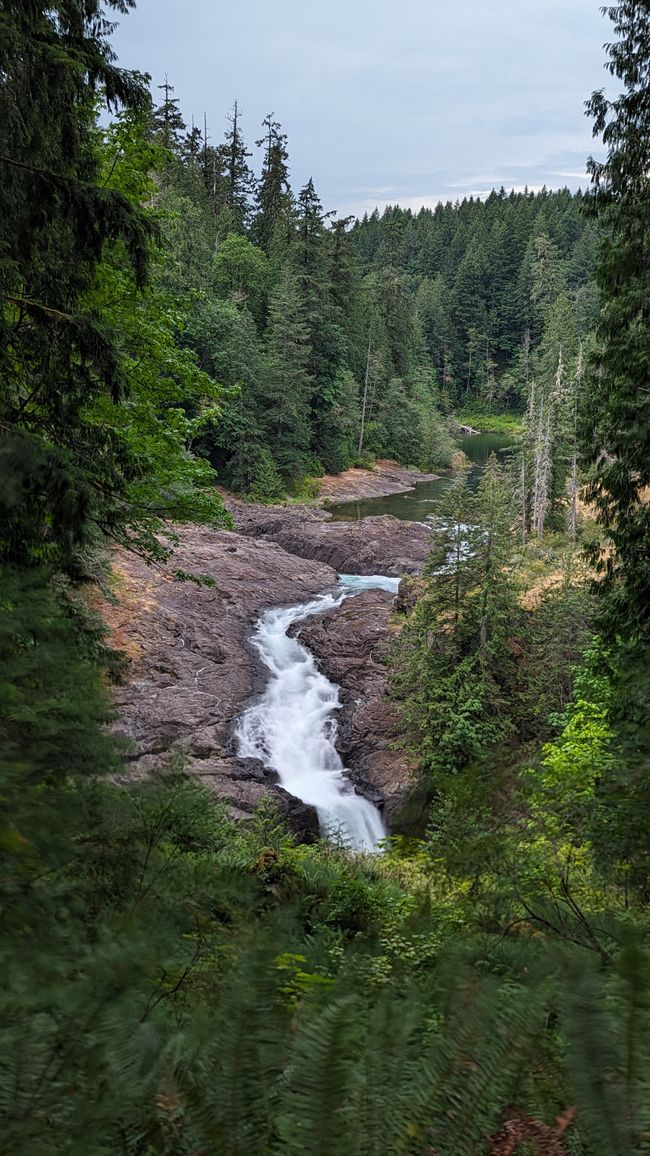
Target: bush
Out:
[264,483]
[306,489]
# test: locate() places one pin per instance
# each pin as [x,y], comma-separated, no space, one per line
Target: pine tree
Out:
[288,385]
[617,433]
[191,148]
[546,279]
[311,262]
[167,124]
[239,180]
[273,195]
[63,474]
[468,309]
[615,430]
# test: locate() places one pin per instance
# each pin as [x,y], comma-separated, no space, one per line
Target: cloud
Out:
[409,102]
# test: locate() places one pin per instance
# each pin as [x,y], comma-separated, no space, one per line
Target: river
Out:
[292,728]
[415,505]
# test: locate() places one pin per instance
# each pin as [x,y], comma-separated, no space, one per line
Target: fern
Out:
[319,1112]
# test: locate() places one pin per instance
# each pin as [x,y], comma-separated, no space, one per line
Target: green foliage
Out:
[456,665]
[57,353]
[556,635]
[261,481]
[101,404]
[241,272]
[491,423]
[177,982]
[51,701]
[616,424]
[285,419]
[400,317]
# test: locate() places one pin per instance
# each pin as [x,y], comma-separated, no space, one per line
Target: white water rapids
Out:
[292,728]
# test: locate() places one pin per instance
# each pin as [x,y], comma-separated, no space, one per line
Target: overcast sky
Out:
[407,101]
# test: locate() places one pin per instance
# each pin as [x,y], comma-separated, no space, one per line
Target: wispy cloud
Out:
[382,102]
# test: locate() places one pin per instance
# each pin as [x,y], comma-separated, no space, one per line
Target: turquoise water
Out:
[416,504]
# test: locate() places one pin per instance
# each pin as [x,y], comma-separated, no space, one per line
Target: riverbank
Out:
[386,477]
[509,423]
[191,670]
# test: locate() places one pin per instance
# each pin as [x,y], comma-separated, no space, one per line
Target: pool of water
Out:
[415,505]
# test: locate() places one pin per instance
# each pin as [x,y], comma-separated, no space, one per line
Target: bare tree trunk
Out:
[542,466]
[486,594]
[365,397]
[527,343]
[522,482]
[573,483]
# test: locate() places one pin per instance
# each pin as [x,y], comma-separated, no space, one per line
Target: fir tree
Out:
[288,385]
[239,180]
[615,430]
[273,195]
[64,474]
[167,124]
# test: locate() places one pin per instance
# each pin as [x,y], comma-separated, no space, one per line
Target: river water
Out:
[292,728]
[416,505]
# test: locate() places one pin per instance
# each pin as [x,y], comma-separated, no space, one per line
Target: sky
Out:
[388,101]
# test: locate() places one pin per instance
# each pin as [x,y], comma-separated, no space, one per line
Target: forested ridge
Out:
[179,982]
[385,326]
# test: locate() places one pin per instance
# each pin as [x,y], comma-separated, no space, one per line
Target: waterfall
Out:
[292,728]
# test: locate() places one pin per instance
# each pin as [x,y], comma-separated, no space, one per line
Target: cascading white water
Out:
[292,728]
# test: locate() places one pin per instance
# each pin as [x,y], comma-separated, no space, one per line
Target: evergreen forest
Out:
[184,334]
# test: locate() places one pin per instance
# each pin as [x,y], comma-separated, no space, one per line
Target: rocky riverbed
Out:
[191,670]
[377,545]
[352,647]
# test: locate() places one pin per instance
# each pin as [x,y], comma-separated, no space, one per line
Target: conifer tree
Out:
[273,195]
[456,665]
[617,432]
[312,265]
[288,385]
[167,124]
[546,279]
[239,181]
[63,474]
[191,147]
[615,429]
[550,417]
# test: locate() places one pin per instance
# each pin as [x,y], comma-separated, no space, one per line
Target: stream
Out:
[292,728]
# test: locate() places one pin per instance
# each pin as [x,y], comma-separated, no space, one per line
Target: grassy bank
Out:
[493,422]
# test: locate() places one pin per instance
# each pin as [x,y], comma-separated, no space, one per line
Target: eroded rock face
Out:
[377,545]
[352,645]
[191,669]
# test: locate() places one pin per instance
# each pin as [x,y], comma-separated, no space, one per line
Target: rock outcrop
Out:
[377,545]
[352,647]
[191,669]
[386,478]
